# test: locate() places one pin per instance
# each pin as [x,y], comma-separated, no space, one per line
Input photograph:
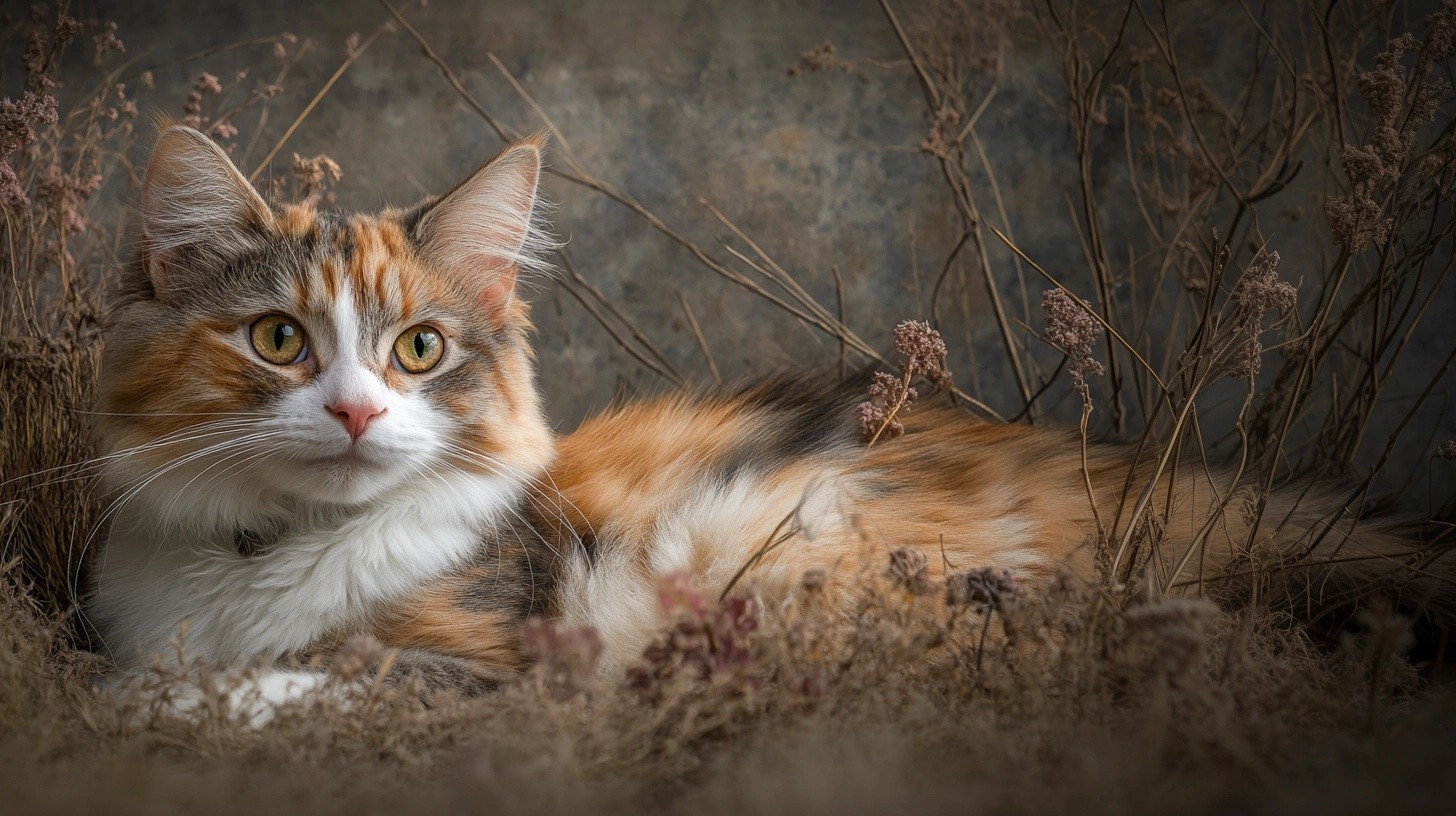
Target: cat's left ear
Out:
[481,233]
[197,208]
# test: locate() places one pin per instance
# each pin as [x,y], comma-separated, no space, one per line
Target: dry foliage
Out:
[1118,696]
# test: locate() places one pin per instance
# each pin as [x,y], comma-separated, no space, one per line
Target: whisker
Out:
[177,437]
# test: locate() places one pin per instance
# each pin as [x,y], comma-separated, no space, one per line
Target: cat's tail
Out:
[1318,542]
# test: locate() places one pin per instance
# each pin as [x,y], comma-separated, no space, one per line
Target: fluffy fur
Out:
[245,511]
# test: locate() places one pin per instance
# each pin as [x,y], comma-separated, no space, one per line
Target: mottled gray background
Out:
[677,101]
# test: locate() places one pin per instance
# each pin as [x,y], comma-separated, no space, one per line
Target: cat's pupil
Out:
[420,345]
[281,333]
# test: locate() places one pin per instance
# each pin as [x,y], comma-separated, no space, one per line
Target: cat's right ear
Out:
[197,209]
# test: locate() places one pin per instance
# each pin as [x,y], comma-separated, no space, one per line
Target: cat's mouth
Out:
[353,457]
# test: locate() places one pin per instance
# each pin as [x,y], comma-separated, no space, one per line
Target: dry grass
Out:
[1172,705]
[1113,698]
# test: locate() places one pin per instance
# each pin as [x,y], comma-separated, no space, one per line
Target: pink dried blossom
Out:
[566,655]
[66,195]
[924,354]
[873,421]
[18,122]
[18,119]
[709,640]
[1073,329]
[12,194]
[924,351]
[941,140]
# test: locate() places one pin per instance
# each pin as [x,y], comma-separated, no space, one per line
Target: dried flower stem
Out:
[323,91]
[905,393]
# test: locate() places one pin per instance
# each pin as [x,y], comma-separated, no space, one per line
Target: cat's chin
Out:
[351,482]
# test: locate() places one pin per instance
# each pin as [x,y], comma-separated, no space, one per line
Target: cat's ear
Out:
[196,207]
[482,232]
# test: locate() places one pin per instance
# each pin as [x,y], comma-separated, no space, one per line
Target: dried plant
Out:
[708,641]
[565,657]
[923,353]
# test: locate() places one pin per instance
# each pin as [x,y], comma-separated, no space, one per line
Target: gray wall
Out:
[674,101]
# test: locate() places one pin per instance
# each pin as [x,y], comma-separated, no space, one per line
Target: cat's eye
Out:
[278,339]
[419,349]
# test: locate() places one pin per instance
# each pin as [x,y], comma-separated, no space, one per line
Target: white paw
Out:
[251,696]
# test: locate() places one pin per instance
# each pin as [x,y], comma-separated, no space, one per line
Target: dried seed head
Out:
[107,42]
[887,390]
[678,593]
[922,346]
[1440,41]
[1258,290]
[315,175]
[1072,328]
[907,569]
[66,195]
[19,120]
[872,419]
[1357,222]
[924,355]
[1447,450]
[987,587]
[941,141]
[822,57]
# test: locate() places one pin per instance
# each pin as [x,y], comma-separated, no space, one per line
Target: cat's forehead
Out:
[317,261]
[369,258]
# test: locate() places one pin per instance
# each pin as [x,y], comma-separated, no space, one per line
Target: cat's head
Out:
[263,356]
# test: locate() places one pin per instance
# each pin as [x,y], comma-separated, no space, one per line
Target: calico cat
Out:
[319,425]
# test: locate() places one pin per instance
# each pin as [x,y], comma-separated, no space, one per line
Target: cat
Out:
[319,425]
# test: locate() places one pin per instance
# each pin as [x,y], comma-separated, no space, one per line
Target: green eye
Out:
[419,349]
[278,339]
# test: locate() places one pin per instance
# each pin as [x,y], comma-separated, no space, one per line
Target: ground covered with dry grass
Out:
[1170,706]
[1145,691]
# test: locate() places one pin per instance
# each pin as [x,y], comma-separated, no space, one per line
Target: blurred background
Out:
[869,153]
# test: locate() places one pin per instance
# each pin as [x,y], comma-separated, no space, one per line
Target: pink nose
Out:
[356,416]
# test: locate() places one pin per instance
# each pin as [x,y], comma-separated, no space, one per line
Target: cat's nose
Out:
[355,416]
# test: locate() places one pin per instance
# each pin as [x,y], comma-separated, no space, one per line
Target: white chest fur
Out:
[328,570]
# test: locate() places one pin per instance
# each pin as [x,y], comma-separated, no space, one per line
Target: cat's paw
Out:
[252,697]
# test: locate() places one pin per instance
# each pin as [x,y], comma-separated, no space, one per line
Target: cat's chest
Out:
[310,576]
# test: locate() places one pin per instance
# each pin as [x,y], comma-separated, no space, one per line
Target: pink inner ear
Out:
[494,294]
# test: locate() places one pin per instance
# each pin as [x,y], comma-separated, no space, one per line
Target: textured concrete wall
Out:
[677,101]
